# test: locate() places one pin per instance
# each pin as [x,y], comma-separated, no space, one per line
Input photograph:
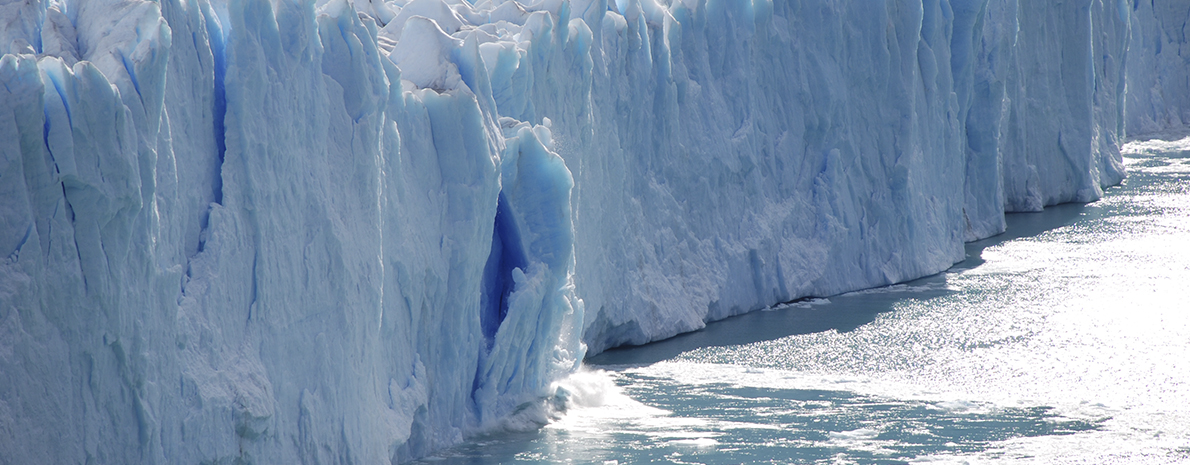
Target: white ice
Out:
[342,232]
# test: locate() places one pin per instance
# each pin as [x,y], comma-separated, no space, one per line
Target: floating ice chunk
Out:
[862,433]
[695,442]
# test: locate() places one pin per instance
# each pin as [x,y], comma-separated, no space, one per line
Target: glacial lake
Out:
[1064,340]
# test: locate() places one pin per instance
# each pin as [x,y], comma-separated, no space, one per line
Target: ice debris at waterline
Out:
[284,232]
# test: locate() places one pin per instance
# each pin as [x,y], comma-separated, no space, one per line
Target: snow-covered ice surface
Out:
[340,232]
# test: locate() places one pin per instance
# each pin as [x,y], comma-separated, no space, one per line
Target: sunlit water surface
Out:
[1065,340]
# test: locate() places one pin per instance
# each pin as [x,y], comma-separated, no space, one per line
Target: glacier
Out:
[358,232]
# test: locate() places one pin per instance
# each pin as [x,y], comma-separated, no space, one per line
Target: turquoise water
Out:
[1065,340]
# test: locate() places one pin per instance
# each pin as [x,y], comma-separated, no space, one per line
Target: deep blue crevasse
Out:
[507,253]
[219,52]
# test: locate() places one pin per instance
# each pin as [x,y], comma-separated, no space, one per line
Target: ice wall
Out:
[782,150]
[834,146]
[1065,101]
[1158,96]
[231,235]
[357,233]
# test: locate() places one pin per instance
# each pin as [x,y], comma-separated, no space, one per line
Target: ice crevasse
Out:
[336,232]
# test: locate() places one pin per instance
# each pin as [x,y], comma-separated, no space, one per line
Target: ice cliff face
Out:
[355,233]
[231,234]
[1158,95]
[837,145]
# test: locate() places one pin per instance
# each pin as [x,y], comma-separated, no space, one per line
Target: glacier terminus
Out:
[333,231]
